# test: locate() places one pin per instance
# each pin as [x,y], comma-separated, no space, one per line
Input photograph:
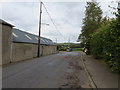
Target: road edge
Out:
[93,85]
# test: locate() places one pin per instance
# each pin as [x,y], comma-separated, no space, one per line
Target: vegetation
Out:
[105,43]
[65,46]
[92,18]
[103,40]
[91,22]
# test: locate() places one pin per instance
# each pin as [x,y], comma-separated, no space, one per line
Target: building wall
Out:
[13,52]
[6,43]
[0,44]
[23,51]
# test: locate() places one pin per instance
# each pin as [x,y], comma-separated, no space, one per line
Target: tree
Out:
[92,20]
[105,42]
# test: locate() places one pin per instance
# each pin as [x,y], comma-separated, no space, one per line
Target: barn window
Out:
[42,40]
[14,35]
[36,38]
[28,37]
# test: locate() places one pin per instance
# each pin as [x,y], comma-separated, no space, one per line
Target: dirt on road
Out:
[62,70]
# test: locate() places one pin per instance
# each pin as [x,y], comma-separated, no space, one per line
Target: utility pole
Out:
[39,30]
[56,40]
[69,40]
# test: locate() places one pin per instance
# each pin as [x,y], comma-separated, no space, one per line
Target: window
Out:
[28,37]
[36,38]
[42,40]
[15,35]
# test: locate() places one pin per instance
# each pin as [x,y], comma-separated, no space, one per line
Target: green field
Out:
[77,49]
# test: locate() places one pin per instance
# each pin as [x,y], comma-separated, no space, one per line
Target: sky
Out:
[67,17]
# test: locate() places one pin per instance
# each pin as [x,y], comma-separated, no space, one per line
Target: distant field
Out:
[77,49]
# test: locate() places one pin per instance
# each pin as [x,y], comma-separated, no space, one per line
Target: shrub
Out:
[105,43]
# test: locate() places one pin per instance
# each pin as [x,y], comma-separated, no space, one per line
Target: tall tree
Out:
[92,20]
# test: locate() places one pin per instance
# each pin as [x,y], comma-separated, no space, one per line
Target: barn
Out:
[25,45]
[17,45]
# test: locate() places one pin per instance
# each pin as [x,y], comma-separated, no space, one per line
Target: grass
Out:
[77,49]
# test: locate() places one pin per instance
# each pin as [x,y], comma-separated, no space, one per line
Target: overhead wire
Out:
[51,19]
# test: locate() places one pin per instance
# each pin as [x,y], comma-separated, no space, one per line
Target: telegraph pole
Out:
[69,40]
[39,30]
[56,40]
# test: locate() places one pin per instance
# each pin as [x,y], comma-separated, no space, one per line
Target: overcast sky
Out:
[67,17]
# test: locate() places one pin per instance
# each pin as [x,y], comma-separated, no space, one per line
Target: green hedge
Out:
[105,43]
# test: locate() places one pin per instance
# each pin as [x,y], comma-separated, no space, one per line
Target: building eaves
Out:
[5,23]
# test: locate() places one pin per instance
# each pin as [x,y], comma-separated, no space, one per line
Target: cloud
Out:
[0,10]
[107,11]
[67,17]
[21,15]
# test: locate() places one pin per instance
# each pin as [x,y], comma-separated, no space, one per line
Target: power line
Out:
[51,18]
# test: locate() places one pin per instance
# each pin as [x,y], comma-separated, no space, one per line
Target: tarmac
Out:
[99,73]
[60,70]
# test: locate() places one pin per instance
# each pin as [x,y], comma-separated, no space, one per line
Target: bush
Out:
[105,43]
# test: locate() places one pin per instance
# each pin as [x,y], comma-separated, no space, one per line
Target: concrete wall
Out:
[13,52]
[6,32]
[22,51]
[0,44]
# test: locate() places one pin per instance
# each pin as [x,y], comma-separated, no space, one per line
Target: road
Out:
[62,70]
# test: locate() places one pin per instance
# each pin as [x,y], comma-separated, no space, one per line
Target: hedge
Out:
[105,43]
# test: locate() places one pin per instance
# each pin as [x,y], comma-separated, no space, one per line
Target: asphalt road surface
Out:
[62,70]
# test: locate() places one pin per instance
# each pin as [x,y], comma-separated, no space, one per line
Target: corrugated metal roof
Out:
[25,37]
[5,23]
